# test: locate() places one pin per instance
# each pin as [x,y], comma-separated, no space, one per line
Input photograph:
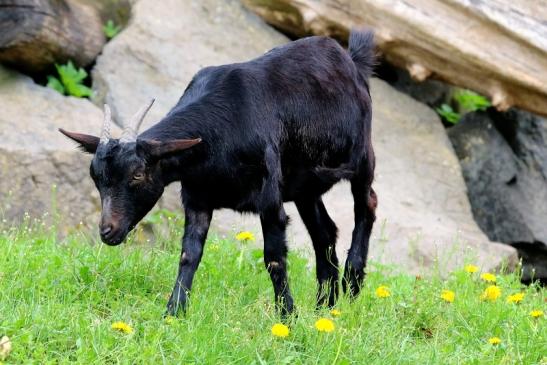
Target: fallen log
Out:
[34,34]
[495,47]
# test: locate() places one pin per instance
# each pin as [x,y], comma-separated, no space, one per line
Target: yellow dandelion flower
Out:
[471,268]
[245,236]
[280,330]
[536,313]
[448,296]
[515,298]
[335,313]
[383,292]
[491,293]
[122,327]
[324,325]
[214,247]
[494,340]
[491,278]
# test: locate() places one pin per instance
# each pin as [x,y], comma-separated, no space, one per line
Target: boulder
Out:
[41,170]
[424,220]
[504,162]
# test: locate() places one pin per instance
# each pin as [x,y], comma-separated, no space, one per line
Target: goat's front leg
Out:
[195,232]
[274,223]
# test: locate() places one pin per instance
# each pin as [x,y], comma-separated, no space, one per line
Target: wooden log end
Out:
[501,100]
[418,72]
[384,37]
[308,16]
[313,23]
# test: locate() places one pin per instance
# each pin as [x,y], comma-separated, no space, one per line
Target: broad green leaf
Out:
[55,84]
[448,113]
[471,101]
[72,78]
[79,90]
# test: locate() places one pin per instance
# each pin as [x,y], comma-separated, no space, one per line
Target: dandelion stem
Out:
[337,351]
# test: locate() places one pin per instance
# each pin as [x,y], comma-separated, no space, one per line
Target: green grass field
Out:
[59,299]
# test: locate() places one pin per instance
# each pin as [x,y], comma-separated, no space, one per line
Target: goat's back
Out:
[306,96]
[306,101]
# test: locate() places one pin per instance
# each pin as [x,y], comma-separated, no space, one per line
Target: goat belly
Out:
[311,182]
[235,190]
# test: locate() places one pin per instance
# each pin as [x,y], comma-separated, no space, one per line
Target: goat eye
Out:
[138,176]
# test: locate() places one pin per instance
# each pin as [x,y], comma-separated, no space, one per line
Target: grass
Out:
[58,300]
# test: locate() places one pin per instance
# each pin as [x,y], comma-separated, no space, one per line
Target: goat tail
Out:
[361,50]
[333,175]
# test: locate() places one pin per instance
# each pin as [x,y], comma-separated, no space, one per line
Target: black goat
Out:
[283,127]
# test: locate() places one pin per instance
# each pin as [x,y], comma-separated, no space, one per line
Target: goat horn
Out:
[130,131]
[105,132]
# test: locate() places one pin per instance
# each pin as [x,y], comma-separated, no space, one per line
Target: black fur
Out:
[361,50]
[283,127]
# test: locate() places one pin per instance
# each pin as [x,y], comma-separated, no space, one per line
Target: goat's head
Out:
[127,172]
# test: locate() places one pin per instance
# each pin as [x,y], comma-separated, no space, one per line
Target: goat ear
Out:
[157,149]
[87,142]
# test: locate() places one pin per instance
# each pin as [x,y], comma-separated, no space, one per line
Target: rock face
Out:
[504,162]
[35,159]
[424,220]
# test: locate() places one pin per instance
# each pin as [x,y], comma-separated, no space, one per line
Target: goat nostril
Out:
[105,230]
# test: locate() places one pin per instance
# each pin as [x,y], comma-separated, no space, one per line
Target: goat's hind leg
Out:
[365,202]
[323,234]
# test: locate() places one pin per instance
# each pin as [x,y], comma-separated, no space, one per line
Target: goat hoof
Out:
[287,317]
[175,310]
[352,282]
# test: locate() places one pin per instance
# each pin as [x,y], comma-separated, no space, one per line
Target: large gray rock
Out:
[41,170]
[504,162]
[424,220]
